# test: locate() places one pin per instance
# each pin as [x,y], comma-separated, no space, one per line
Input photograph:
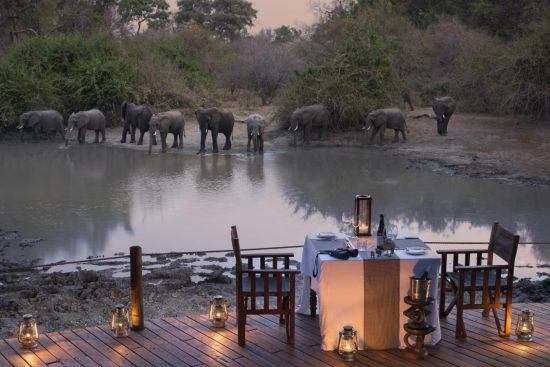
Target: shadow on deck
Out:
[191,341]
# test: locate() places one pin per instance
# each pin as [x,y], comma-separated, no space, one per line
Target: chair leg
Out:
[285,306]
[241,324]
[460,331]
[442,290]
[312,303]
[290,325]
[508,316]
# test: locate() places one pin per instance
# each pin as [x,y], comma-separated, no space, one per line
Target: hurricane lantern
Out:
[120,321]
[526,325]
[218,314]
[362,215]
[28,332]
[347,344]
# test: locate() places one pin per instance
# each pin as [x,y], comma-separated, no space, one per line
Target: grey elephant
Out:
[444,107]
[255,126]
[169,122]
[217,121]
[136,117]
[308,117]
[92,119]
[391,118]
[46,121]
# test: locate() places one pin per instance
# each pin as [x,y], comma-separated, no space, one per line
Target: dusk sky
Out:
[274,13]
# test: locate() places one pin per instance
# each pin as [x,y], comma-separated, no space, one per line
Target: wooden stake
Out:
[136,288]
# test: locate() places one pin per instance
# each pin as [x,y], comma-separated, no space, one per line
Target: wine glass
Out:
[391,235]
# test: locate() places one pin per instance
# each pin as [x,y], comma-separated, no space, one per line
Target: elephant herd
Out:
[141,118]
[217,121]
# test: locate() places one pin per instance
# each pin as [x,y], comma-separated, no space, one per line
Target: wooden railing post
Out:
[136,287]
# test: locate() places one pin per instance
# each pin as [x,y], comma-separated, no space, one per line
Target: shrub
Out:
[67,73]
[354,79]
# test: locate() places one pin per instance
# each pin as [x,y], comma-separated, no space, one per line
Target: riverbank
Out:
[508,149]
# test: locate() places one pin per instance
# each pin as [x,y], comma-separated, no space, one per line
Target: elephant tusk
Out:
[296,129]
[19,127]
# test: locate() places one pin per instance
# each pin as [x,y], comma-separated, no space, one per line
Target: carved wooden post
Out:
[136,288]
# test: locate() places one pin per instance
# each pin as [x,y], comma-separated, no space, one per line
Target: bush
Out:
[72,73]
[354,79]
[66,73]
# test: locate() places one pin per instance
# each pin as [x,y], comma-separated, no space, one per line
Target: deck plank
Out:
[192,341]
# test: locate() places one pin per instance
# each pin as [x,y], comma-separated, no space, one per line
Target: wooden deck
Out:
[190,341]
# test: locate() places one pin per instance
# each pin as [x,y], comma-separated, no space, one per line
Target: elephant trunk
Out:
[255,141]
[20,128]
[68,134]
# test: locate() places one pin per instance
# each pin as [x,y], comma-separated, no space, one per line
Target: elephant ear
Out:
[83,120]
[380,119]
[33,120]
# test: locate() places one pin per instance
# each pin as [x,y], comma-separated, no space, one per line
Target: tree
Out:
[18,17]
[227,18]
[261,66]
[154,12]
[285,34]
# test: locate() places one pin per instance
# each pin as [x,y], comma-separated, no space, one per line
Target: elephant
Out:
[136,117]
[307,117]
[169,122]
[391,118]
[444,107]
[86,120]
[47,120]
[217,121]
[255,125]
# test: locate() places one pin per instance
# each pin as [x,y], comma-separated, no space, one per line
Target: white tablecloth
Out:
[340,286]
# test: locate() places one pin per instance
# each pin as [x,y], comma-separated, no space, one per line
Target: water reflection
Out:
[98,200]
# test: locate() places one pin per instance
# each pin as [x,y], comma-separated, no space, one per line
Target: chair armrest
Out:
[271,271]
[481,267]
[467,251]
[265,254]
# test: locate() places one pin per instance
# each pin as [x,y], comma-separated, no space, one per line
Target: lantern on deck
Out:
[526,325]
[218,314]
[347,343]
[120,321]
[28,332]
[362,215]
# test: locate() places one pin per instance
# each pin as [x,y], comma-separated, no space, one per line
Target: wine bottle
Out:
[381,226]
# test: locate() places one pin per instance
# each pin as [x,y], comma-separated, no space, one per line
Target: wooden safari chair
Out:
[264,283]
[485,278]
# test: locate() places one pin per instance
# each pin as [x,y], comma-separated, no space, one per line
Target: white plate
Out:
[326,235]
[415,250]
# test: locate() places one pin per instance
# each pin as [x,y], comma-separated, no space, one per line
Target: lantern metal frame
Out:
[525,319]
[218,304]
[359,200]
[27,332]
[120,321]
[347,333]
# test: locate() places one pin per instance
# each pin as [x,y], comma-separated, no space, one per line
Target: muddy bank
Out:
[504,148]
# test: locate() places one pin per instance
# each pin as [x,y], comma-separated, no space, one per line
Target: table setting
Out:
[364,284]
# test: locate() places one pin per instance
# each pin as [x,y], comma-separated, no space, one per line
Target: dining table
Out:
[366,291]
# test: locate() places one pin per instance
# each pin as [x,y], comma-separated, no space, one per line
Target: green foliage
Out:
[154,12]
[352,81]
[285,34]
[72,73]
[67,73]
[226,18]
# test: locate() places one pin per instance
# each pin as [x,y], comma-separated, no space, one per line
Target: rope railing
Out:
[180,253]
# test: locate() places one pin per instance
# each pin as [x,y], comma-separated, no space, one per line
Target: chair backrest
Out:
[503,243]
[236,250]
